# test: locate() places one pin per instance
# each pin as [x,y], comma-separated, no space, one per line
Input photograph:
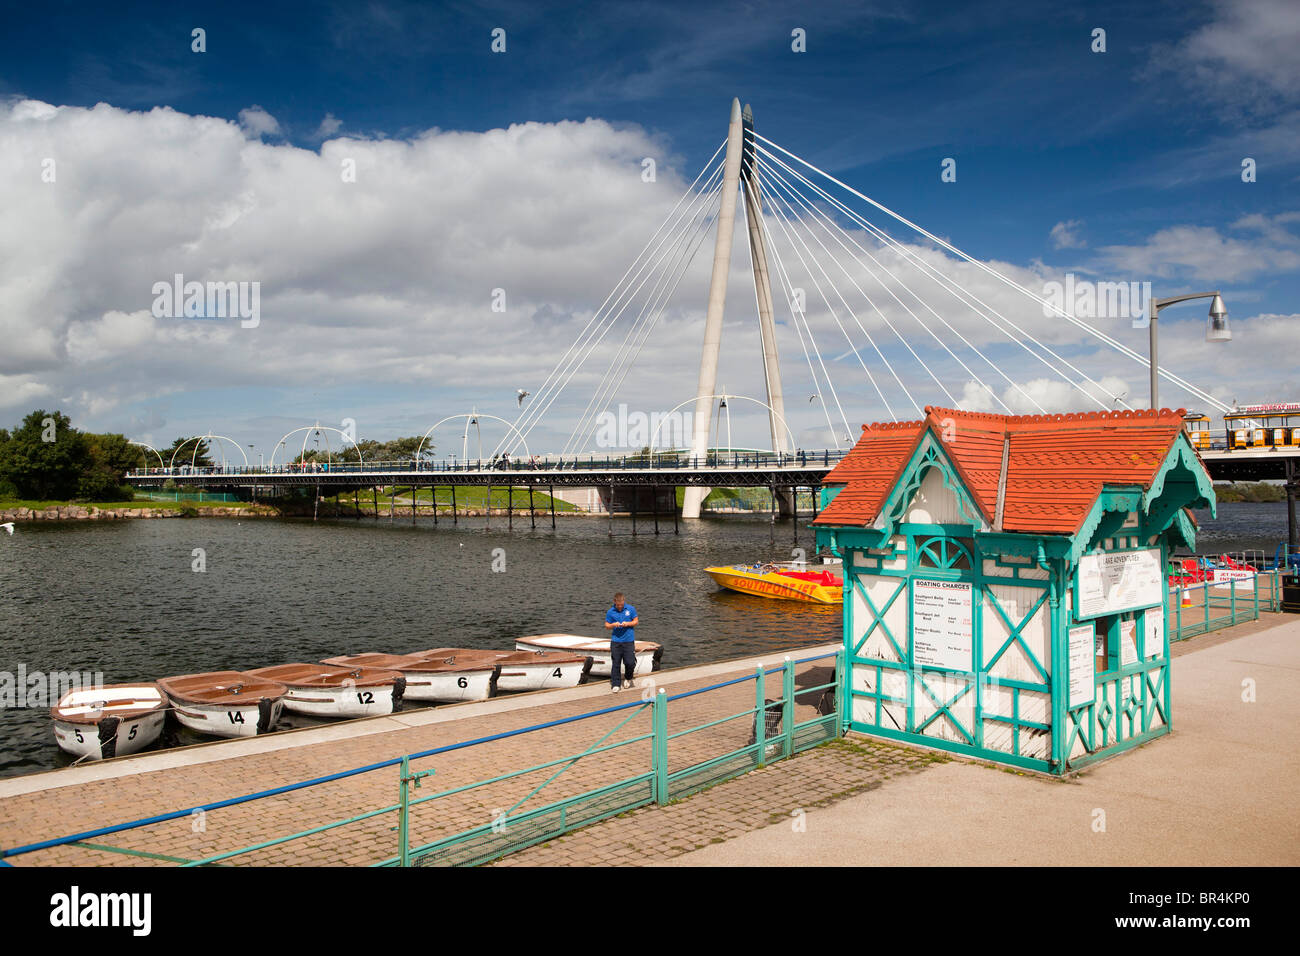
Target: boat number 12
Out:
[365,697]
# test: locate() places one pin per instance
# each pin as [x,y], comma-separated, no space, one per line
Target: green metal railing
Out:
[1218,610]
[517,828]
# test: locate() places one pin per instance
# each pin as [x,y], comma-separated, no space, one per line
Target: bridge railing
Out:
[721,461]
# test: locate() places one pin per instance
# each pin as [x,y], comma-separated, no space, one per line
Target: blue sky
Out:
[1111,149]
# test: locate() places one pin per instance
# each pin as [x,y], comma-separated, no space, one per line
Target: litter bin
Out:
[1291,593]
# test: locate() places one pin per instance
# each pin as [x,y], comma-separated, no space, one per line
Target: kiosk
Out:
[1005,580]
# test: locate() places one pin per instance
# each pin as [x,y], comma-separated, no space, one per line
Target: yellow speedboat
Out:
[781,581]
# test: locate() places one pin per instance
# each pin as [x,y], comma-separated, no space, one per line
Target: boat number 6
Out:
[462,682]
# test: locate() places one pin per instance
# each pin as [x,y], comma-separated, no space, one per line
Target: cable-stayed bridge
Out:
[917,322]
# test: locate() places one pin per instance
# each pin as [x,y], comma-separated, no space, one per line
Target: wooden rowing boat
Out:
[325,690]
[110,721]
[648,653]
[225,703]
[521,670]
[433,681]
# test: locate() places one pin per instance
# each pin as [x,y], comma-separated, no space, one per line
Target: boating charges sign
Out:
[1113,581]
[941,624]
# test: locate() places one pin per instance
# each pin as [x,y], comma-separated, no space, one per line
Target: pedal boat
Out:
[647,653]
[781,581]
[225,703]
[111,721]
[521,670]
[324,690]
[432,681]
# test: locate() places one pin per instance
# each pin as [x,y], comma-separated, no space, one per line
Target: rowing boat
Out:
[648,653]
[433,681]
[322,690]
[522,670]
[110,721]
[225,703]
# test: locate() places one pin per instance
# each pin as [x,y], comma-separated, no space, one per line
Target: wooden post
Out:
[532,512]
[552,507]
[609,509]
[510,506]
[488,510]
[454,519]
[374,495]
[315,505]
[654,503]
[433,496]
[675,531]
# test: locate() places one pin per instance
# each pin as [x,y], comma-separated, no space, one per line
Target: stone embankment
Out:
[92,513]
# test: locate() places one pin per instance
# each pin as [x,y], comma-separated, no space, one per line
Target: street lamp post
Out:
[1217,330]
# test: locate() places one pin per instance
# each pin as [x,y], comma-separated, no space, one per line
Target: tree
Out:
[44,457]
[111,456]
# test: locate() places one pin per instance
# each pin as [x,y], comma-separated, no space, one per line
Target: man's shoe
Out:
[629,682]
[615,689]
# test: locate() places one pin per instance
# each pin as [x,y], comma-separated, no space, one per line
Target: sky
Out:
[431,223]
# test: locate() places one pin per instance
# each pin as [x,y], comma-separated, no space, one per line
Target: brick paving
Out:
[775,795]
[57,810]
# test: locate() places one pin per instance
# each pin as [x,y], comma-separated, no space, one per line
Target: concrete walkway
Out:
[1220,790]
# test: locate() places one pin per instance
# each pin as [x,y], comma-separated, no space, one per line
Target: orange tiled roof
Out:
[1056,467]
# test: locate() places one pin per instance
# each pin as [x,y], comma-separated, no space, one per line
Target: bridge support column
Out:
[717,301]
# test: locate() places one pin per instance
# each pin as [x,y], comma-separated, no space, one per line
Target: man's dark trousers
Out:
[624,651]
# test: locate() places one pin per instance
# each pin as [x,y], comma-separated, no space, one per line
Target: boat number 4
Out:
[365,697]
[556,673]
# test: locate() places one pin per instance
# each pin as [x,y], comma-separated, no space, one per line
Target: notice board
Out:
[941,624]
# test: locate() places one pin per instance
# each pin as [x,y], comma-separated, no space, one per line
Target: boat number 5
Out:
[235,716]
[365,697]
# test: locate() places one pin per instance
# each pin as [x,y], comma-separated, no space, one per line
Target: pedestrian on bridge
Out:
[620,621]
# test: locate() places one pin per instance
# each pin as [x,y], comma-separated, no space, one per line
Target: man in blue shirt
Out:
[620,621]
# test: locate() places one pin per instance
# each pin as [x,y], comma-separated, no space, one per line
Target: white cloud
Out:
[330,125]
[257,122]
[376,290]
[1064,235]
[1202,252]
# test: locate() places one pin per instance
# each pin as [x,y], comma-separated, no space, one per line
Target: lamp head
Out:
[1217,330]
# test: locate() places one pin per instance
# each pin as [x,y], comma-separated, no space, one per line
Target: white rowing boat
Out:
[225,703]
[110,721]
[521,670]
[324,690]
[648,653]
[432,681]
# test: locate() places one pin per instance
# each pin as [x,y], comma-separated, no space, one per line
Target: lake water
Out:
[121,597]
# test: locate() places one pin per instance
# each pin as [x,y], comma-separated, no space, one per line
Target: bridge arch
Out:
[472,415]
[781,418]
[199,439]
[318,427]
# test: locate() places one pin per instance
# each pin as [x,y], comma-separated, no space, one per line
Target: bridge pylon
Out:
[738,167]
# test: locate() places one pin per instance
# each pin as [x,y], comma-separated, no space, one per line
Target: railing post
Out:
[760,717]
[403,819]
[1256,617]
[1232,601]
[1206,590]
[843,696]
[787,686]
[659,721]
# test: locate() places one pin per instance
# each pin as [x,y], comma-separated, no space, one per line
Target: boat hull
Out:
[343,701]
[647,653]
[111,737]
[429,682]
[518,677]
[257,716]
